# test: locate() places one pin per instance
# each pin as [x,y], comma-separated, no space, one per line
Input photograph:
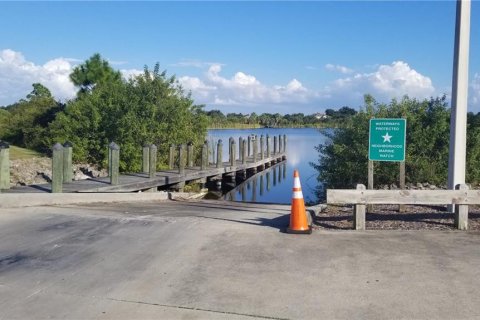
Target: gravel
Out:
[387,217]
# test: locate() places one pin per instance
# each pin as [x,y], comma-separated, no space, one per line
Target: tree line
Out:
[331,118]
[148,108]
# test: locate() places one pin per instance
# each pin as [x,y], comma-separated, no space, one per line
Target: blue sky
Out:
[244,56]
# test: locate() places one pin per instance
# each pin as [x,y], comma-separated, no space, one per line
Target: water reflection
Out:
[277,186]
[253,189]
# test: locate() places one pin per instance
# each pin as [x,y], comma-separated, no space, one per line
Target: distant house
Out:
[320,116]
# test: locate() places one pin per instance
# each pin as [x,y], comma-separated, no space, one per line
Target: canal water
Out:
[274,185]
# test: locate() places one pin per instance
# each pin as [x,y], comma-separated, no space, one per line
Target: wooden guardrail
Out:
[360,197]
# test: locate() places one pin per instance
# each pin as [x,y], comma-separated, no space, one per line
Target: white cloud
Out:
[17,76]
[194,63]
[243,90]
[387,82]
[128,73]
[338,68]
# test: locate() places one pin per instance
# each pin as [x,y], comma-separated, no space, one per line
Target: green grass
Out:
[17,153]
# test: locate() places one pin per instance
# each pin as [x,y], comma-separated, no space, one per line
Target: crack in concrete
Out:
[198,309]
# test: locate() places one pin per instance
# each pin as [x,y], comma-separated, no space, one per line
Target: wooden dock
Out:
[134,182]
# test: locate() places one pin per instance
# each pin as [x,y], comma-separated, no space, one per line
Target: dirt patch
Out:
[387,217]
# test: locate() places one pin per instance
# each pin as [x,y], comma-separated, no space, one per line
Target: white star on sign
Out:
[386,137]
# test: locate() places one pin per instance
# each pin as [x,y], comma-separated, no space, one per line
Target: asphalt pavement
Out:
[223,260]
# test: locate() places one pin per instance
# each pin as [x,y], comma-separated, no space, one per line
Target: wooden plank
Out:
[440,197]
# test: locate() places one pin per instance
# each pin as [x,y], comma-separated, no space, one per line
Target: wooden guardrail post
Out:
[262,147]
[114,164]
[146,158]
[275,150]
[171,156]
[67,162]
[268,146]
[190,154]
[219,153]
[284,143]
[4,165]
[57,168]
[244,152]
[204,160]
[461,211]
[181,159]
[152,161]
[359,213]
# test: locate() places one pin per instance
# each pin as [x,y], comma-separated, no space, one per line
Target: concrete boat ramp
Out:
[223,260]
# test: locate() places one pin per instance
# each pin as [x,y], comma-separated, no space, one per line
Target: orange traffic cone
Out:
[298,215]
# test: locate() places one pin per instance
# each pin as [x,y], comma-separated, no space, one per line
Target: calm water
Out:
[274,185]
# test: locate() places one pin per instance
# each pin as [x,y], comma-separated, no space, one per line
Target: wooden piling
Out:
[190,154]
[233,156]
[244,152]
[219,153]
[204,160]
[275,150]
[181,159]
[146,158]
[249,144]
[67,162]
[152,161]
[268,146]
[4,165]
[284,143]
[171,156]
[57,168]
[262,147]
[114,165]
[255,150]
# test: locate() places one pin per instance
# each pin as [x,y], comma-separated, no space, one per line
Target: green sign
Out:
[387,140]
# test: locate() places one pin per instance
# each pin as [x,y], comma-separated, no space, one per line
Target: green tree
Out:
[92,72]
[29,119]
[149,108]
[343,160]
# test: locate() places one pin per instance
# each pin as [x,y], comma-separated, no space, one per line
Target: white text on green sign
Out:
[387,140]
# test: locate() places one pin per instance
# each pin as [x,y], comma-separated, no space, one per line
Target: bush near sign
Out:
[387,140]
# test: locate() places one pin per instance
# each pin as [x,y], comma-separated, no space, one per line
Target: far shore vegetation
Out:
[153,108]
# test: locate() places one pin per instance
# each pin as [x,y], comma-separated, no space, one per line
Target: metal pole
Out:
[458,120]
